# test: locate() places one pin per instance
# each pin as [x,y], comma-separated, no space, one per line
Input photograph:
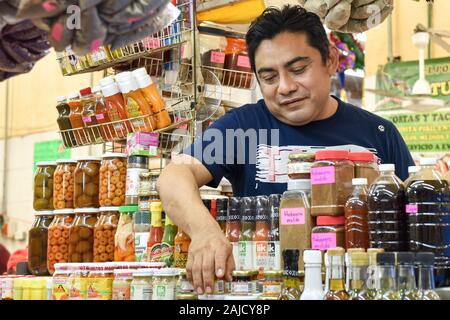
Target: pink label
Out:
[57,31]
[243,61]
[412,208]
[293,216]
[323,241]
[100,116]
[151,43]
[49,6]
[217,57]
[87,119]
[323,175]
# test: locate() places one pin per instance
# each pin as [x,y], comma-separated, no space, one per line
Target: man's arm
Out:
[210,253]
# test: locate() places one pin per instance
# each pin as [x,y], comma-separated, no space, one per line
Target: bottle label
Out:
[166,254]
[274,258]
[99,289]
[87,120]
[140,245]
[181,254]
[141,291]
[291,216]
[135,111]
[299,167]
[121,293]
[100,116]
[164,291]
[323,175]
[236,255]
[60,288]
[217,57]
[244,62]
[132,182]
[241,287]
[323,241]
[412,208]
[154,253]
[78,289]
[261,255]
[272,289]
[246,249]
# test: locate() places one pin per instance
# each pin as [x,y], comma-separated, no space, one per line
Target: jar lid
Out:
[301,156]
[86,210]
[330,221]
[332,155]
[413,169]
[89,158]
[143,272]
[359,258]
[165,272]
[129,208]
[299,184]
[427,161]
[385,258]
[44,213]
[45,163]
[242,273]
[359,181]
[386,167]
[60,99]
[123,272]
[64,211]
[361,156]
[312,256]
[73,95]
[273,273]
[85,91]
[338,251]
[65,161]
[138,160]
[114,155]
[151,265]
[106,209]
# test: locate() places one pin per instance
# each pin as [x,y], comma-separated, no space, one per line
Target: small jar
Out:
[100,280]
[64,184]
[17,289]
[124,247]
[122,284]
[365,166]
[331,182]
[183,284]
[187,296]
[43,186]
[164,284]
[271,286]
[37,243]
[242,283]
[87,182]
[147,183]
[104,234]
[78,281]
[328,233]
[60,282]
[142,284]
[58,238]
[299,165]
[113,171]
[81,235]
[136,165]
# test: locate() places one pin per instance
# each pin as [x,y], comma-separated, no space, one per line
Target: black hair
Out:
[274,21]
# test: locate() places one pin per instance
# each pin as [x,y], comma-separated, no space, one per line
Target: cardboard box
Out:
[143,144]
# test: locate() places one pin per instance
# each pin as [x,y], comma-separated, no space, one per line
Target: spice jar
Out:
[164,284]
[99,282]
[58,238]
[87,182]
[81,235]
[122,284]
[136,166]
[124,238]
[43,185]
[104,234]
[147,183]
[63,184]
[271,286]
[60,282]
[142,284]
[212,52]
[242,283]
[331,180]
[329,233]
[299,165]
[365,166]
[238,71]
[37,243]
[113,169]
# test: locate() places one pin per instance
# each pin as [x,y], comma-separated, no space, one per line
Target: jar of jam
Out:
[63,184]
[113,173]
[328,233]
[299,165]
[271,286]
[104,233]
[37,243]
[58,238]
[87,181]
[365,166]
[242,283]
[43,186]
[81,235]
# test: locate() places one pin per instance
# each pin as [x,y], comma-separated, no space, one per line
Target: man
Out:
[293,62]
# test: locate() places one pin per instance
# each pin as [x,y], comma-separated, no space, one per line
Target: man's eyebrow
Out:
[287,64]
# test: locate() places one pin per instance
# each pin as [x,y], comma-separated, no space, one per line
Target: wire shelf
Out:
[231,78]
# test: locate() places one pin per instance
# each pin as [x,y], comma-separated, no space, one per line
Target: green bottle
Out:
[291,282]
[167,244]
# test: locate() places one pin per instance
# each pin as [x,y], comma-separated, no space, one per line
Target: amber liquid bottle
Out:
[336,285]
[356,221]
[291,289]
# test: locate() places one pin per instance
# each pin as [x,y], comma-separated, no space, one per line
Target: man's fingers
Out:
[208,272]
[197,276]
[229,269]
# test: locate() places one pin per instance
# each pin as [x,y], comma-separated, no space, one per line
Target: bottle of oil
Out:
[336,284]
[406,280]
[412,170]
[347,261]
[385,280]
[372,272]
[425,262]
[359,261]
[291,289]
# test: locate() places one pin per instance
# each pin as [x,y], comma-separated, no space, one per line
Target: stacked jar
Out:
[136,165]
[64,184]
[87,182]
[81,235]
[100,281]
[113,171]
[43,186]
[366,166]
[37,243]
[58,238]
[104,233]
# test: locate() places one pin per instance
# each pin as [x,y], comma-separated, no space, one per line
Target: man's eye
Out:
[299,70]
[269,79]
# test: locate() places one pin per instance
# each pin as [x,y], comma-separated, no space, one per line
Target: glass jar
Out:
[78,281]
[113,171]
[43,185]
[122,284]
[136,166]
[164,284]
[100,281]
[124,248]
[242,283]
[331,181]
[329,233]
[212,51]
[37,243]
[183,284]
[365,166]
[147,183]
[271,286]
[104,233]
[238,71]
[142,284]
[63,184]
[299,165]
[60,282]
[64,121]
[87,182]
[81,235]
[58,238]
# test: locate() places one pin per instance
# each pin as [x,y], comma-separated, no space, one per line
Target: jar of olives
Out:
[64,184]
[81,235]
[58,238]
[37,243]
[43,186]
[87,182]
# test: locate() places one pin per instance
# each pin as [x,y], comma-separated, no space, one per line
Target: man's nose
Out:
[287,85]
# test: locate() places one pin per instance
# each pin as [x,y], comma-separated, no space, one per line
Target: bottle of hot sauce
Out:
[116,108]
[156,232]
[182,242]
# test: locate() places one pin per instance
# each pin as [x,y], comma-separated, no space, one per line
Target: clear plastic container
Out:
[113,171]
[365,166]
[87,182]
[104,234]
[122,284]
[43,185]
[63,184]
[100,282]
[58,238]
[142,284]
[37,243]
[329,233]
[81,235]
[124,247]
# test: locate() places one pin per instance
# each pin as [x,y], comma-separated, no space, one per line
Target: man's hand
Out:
[210,256]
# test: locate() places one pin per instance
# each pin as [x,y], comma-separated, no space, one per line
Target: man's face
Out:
[294,81]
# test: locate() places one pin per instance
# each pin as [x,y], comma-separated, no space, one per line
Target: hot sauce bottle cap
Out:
[85,91]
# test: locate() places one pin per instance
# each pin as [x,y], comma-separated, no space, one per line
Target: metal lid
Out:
[64,211]
[138,160]
[301,156]
[338,251]
[106,209]
[273,273]
[44,213]
[359,258]
[385,258]
[65,161]
[45,163]
[114,155]
[89,158]
[242,273]
[86,210]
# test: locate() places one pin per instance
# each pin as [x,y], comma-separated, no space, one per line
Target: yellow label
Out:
[99,289]
[78,289]
[60,288]
[135,111]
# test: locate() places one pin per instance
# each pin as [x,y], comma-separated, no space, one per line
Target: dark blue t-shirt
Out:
[245,146]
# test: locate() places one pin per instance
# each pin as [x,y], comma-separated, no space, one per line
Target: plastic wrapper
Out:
[92,34]
[338,15]
[318,7]
[29,9]
[366,11]
[356,26]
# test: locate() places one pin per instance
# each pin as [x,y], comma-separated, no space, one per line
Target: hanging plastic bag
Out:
[92,34]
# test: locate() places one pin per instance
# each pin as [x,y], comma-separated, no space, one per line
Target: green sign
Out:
[50,151]
[423,131]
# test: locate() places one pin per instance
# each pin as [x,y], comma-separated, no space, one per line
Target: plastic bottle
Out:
[102,116]
[356,225]
[425,263]
[116,108]
[156,233]
[412,170]
[313,289]
[89,119]
[76,119]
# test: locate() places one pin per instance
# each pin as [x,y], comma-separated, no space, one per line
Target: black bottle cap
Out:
[405,258]
[222,204]
[425,258]
[385,258]
[291,256]
[142,160]
[22,268]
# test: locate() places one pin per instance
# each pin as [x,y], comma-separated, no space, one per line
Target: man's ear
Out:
[333,60]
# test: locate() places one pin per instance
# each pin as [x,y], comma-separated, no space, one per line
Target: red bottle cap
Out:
[361,156]
[330,221]
[332,155]
[85,91]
